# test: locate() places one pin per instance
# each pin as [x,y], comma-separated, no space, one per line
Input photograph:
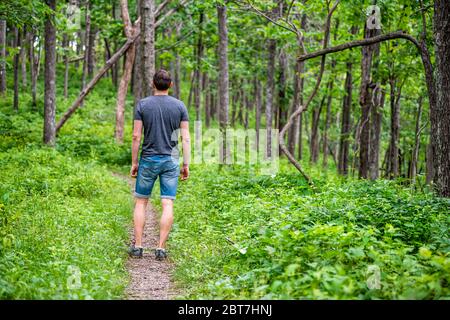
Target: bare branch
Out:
[170,12]
[265,16]
[360,43]
[161,7]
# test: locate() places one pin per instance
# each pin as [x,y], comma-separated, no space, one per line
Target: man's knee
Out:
[141,201]
[167,203]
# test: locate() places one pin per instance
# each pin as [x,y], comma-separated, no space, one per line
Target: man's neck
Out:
[161,93]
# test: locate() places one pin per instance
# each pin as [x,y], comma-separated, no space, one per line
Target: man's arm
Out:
[137,134]
[186,142]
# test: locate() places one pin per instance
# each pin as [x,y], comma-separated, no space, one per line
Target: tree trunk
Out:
[440,116]
[34,69]
[269,94]
[86,46]
[206,93]
[198,65]
[375,132]
[258,108]
[50,79]
[2,57]
[314,142]
[91,51]
[66,63]
[223,77]
[293,130]
[346,125]
[282,100]
[16,69]
[148,45]
[328,115]
[416,147]
[23,60]
[365,100]
[393,157]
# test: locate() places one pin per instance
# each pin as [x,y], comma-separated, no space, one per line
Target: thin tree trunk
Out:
[23,60]
[328,115]
[66,63]
[86,46]
[50,79]
[16,69]
[395,130]
[375,132]
[346,125]
[198,65]
[2,57]
[148,45]
[282,100]
[314,142]
[258,107]
[365,100]
[91,51]
[415,150]
[269,94]
[223,77]
[206,92]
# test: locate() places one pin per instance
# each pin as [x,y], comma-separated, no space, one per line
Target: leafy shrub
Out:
[292,244]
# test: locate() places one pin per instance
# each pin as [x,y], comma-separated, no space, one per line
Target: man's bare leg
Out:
[166,221]
[139,220]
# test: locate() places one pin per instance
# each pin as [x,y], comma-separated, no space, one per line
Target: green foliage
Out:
[297,245]
[60,217]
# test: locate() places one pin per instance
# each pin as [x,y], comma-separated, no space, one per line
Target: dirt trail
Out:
[149,278]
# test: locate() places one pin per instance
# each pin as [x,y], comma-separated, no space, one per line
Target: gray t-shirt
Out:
[161,117]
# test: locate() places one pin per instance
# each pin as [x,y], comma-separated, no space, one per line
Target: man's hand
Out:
[134,170]
[184,172]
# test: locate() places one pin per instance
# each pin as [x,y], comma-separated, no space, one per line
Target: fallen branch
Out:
[86,90]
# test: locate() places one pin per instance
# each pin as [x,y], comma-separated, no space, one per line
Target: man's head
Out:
[162,80]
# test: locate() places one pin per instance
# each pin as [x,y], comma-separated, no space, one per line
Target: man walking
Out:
[162,117]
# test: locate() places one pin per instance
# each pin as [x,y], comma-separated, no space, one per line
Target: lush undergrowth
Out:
[63,215]
[292,244]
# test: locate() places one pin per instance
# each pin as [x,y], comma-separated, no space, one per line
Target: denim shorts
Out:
[150,168]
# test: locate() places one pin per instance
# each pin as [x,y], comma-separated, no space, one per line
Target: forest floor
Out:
[149,278]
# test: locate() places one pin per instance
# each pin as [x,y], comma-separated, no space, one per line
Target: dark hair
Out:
[162,80]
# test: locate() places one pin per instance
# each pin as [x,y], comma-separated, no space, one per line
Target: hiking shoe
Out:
[160,254]
[135,252]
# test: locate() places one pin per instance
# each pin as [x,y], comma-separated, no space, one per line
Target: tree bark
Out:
[66,63]
[86,46]
[346,124]
[206,93]
[416,147]
[375,131]
[91,50]
[223,77]
[198,65]
[271,48]
[365,101]
[129,31]
[258,107]
[23,60]
[2,57]
[440,115]
[50,78]
[393,156]
[148,45]
[282,100]
[328,116]
[16,69]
